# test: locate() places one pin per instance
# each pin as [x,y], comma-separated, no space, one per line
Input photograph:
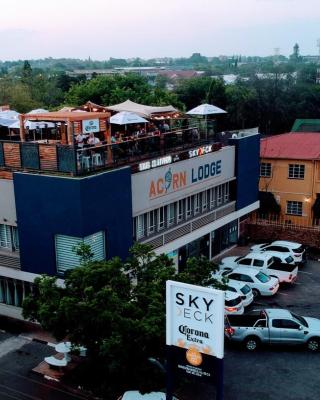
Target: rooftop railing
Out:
[59,158]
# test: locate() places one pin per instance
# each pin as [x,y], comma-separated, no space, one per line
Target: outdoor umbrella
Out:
[205,110]
[126,118]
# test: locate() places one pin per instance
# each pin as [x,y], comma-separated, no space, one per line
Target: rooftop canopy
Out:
[141,109]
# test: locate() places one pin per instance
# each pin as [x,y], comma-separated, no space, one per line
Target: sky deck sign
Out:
[195,328]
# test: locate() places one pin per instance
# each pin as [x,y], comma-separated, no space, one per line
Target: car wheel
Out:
[313,344]
[252,343]
[255,293]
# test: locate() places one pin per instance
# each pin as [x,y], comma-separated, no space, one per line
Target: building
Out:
[290,170]
[184,195]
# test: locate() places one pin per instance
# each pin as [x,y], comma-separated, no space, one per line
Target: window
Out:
[152,215]
[180,210]
[296,171]
[265,170]
[294,208]
[161,220]
[219,200]
[67,259]
[276,323]
[140,226]
[213,198]
[196,203]
[226,192]
[245,261]
[5,236]
[245,278]
[188,207]
[258,263]
[171,214]
[288,324]
[15,238]
[204,201]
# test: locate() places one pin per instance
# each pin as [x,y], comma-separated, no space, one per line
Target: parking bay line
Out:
[283,294]
[304,272]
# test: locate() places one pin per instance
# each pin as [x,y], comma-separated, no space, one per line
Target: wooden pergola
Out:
[71,123]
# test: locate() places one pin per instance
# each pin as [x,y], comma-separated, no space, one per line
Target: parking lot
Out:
[286,373]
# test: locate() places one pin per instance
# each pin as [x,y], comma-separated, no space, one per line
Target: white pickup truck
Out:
[267,263]
[273,326]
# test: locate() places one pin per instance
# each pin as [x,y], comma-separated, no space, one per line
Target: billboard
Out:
[156,187]
[195,328]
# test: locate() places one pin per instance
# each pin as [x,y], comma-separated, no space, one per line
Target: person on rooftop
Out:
[92,139]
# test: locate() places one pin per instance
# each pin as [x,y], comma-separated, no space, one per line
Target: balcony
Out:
[54,157]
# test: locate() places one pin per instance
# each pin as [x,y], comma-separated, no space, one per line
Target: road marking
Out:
[297,283]
[304,272]
[283,294]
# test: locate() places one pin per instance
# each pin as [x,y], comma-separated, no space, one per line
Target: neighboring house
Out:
[290,170]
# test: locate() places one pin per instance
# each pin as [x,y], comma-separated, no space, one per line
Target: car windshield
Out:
[245,289]
[231,289]
[289,260]
[262,277]
[300,319]
[238,258]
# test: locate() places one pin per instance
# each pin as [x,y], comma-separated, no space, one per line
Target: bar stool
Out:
[96,159]
[85,162]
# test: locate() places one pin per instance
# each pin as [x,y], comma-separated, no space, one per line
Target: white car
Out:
[136,395]
[297,250]
[286,258]
[233,304]
[243,290]
[260,283]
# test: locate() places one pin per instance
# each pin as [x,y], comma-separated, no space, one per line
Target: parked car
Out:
[136,395]
[241,288]
[273,326]
[233,303]
[297,250]
[260,283]
[265,262]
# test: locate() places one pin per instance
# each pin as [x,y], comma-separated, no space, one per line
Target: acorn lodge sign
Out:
[195,328]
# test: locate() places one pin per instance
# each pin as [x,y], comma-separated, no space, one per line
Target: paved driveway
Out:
[274,373]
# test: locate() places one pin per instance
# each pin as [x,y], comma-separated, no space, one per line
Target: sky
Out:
[101,29]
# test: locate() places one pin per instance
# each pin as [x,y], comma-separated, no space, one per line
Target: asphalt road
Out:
[273,373]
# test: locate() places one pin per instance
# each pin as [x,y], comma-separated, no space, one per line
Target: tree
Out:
[26,72]
[117,310]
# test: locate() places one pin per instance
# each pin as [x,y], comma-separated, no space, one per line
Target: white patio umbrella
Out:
[126,118]
[205,110]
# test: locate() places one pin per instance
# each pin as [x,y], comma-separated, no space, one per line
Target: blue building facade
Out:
[185,204]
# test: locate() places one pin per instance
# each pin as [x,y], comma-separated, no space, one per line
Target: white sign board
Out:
[195,319]
[90,125]
[156,187]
